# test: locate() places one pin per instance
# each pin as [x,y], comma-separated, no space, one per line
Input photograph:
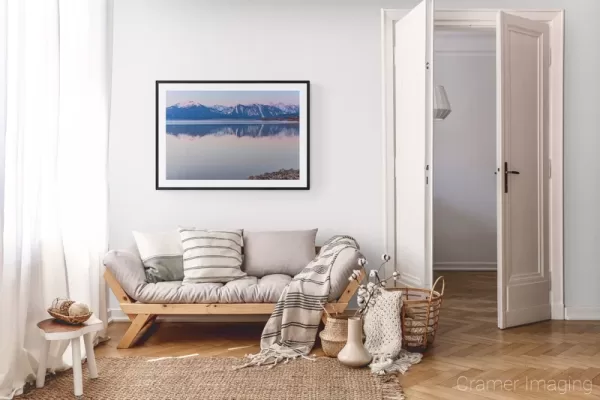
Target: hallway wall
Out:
[464,189]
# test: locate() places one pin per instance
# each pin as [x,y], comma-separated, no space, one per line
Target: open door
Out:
[413,91]
[523,60]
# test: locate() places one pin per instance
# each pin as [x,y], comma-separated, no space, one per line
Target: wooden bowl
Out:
[73,320]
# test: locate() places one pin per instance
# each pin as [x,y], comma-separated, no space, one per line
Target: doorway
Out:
[464,155]
[409,146]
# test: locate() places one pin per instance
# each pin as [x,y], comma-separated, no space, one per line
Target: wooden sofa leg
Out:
[140,324]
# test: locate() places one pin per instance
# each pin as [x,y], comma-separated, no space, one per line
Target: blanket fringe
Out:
[274,355]
[385,364]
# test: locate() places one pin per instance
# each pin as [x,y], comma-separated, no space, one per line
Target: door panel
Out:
[413,56]
[523,122]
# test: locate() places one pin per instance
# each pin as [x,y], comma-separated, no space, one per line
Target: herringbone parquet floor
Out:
[471,358]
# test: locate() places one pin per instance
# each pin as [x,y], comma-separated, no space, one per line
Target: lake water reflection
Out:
[226,150]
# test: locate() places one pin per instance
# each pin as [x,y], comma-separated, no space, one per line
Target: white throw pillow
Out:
[211,255]
[161,254]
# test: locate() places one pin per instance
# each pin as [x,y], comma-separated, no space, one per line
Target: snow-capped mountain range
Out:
[192,110]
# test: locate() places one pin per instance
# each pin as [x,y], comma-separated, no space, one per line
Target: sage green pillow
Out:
[161,254]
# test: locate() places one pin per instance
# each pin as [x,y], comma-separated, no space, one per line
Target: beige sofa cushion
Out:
[244,290]
[278,252]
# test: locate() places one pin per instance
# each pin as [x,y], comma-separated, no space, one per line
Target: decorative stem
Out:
[326,312]
[371,287]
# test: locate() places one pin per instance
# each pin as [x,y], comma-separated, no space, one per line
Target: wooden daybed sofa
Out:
[143,302]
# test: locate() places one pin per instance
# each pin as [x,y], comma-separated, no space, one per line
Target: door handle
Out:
[506,172]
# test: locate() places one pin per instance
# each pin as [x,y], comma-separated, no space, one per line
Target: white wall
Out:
[336,48]
[464,190]
[335,44]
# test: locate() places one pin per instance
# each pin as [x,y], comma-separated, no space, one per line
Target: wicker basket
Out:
[420,315]
[73,320]
[335,335]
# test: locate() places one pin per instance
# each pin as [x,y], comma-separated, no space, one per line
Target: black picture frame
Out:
[305,183]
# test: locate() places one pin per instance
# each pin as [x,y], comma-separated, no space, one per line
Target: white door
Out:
[523,58]
[413,68]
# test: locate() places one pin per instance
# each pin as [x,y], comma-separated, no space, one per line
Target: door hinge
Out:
[549,168]
[550,56]
[427,174]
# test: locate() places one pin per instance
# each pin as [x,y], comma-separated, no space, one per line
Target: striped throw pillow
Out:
[211,255]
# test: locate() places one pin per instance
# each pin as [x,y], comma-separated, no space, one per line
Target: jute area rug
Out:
[214,379]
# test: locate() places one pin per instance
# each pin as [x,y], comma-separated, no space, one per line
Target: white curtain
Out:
[55,63]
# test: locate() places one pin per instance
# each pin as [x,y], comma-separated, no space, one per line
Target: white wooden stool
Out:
[54,330]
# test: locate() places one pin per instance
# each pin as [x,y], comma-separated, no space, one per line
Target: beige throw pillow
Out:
[278,252]
[211,255]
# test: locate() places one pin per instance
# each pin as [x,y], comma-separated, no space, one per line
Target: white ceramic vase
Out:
[354,354]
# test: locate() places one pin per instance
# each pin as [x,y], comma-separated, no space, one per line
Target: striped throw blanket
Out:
[291,330]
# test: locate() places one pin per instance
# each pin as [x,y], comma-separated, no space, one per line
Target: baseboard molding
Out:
[109,316]
[117,315]
[558,311]
[591,313]
[405,279]
[465,266]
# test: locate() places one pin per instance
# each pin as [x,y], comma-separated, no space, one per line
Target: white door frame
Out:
[480,18]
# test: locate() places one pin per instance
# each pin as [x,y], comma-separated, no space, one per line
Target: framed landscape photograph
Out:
[232,135]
